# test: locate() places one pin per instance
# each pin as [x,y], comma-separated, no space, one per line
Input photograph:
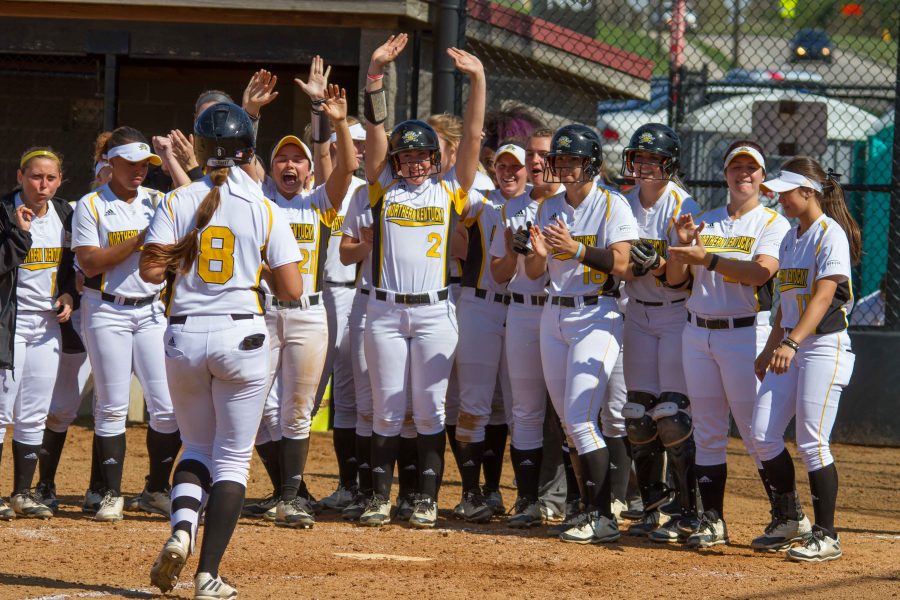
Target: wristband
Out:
[318,101]
[579,253]
[712,262]
[374,77]
[375,106]
[790,344]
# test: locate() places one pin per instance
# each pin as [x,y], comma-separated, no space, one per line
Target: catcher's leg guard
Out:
[646,449]
[675,427]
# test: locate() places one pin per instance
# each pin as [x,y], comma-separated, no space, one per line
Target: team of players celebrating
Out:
[446,305]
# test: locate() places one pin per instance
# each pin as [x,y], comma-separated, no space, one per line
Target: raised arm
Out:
[315,87]
[338,182]
[473,120]
[376,106]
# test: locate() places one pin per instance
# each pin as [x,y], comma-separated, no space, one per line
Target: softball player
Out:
[38,289]
[410,324]
[657,412]
[338,294]
[732,256]
[581,326]
[481,314]
[124,322]
[214,236]
[299,329]
[808,357]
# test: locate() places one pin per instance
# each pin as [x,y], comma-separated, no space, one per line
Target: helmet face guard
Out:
[590,168]
[414,136]
[655,139]
[578,141]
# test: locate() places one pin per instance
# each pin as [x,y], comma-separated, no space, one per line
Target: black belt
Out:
[128,301]
[486,295]
[532,300]
[347,284]
[454,280]
[182,319]
[722,323]
[423,298]
[310,301]
[659,303]
[569,301]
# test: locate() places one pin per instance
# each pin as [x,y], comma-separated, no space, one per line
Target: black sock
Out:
[573,488]
[431,463]
[222,512]
[711,481]
[51,452]
[823,485]
[162,449]
[470,456]
[111,454]
[594,471]
[25,460]
[408,466]
[193,473]
[492,459]
[293,464]
[454,447]
[344,439]
[778,474]
[619,466]
[364,463]
[527,468]
[270,455]
[384,455]
[96,482]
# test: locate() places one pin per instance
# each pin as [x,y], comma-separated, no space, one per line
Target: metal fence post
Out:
[892,283]
[446,35]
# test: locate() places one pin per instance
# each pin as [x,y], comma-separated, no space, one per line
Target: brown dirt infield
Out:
[72,557]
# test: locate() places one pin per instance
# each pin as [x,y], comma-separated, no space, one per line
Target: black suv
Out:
[811,44]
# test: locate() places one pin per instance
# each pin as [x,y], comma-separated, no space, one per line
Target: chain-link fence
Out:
[817,77]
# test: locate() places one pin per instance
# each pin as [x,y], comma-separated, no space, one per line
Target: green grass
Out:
[717,56]
[635,42]
[875,48]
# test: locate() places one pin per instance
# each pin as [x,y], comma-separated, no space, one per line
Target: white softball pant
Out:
[120,339]
[718,370]
[361,383]
[479,361]
[451,406]
[409,347]
[25,391]
[653,348]
[71,377]
[218,390]
[579,348]
[612,423]
[338,302]
[298,344]
[811,390]
[526,377]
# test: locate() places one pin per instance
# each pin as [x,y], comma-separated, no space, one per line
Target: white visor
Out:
[99,167]
[357,134]
[516,151]
[788,180]
[135,152]
[746,151]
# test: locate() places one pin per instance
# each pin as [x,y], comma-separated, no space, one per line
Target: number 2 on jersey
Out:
[435,250]
[216,260]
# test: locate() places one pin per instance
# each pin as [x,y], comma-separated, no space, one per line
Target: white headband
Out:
[102,164]
[357,134]
[788,180]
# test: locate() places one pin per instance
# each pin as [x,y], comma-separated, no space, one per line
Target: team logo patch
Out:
[646,138]
[411,136]
[143,147]
[564,142]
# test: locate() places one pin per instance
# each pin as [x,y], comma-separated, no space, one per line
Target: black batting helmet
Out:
[653,138]
[414,135]
[575,140]
[223,134]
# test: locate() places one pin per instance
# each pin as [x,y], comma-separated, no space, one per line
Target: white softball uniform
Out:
[522,342]
[338,292]
[71,378]
[217,351]
[124,319]
[581,328]
[481,314]
[811,388]
[728,325]
[26,390]
[656,314]
[410,322]
[359,214]
[298,331]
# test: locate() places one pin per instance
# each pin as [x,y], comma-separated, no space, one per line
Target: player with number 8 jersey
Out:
[214,239]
